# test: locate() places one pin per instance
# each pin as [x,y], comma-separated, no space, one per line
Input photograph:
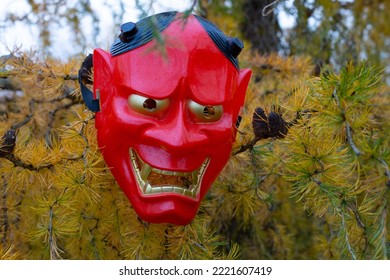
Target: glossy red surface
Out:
[174,138]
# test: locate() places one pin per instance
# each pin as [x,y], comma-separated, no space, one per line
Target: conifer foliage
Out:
[308,178]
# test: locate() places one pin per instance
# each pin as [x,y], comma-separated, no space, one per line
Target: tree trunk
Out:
[262,31]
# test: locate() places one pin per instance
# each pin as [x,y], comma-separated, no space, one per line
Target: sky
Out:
[25,37]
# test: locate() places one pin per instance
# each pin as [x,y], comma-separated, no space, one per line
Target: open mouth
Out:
[151,180]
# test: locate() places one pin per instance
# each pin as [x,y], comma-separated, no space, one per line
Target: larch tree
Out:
[308,177]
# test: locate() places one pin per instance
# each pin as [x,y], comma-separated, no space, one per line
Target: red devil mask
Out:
[166,119]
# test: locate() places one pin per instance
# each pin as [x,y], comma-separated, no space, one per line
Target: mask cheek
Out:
[118,124]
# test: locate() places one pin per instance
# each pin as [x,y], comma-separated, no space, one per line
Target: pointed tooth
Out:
[167,189]
[203,167]
[158,171]
[156,190]
[178,190]
[147,188]
[145,171]
[194,175]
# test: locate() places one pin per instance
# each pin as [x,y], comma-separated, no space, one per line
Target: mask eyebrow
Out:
[148,74]
[212,91]
[147,92]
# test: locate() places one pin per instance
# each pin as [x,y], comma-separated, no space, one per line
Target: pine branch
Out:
[360,223]
[52,115]
[347,126]
[383,239]
[247,146]
[25,121]
[8,141]
[50,231]
[350,139]
[19,163]
[268,9]
[69,77]
[8,84]
[91,232]
[340,211]
[387,171]
[344,230]
[191,9]
[7,146]
[4,207]
[67,95]
[357,216]
[299,115]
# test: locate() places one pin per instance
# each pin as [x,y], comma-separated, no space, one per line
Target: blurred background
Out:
[328,31]
[321,191]
[67,28]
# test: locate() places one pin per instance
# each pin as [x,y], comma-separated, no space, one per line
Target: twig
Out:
[384,228]
[247,146]
[52,115]
[23,122]
[8,84]
[55,251]
[264,127]
[360,224]
[347,126]
[387,171]
[5,212]
[349,247]
[357,216]
[265,13]
[70,77]
[191,9]
[50,231]
[18,162]
[299,115]
[341,214]
[350,139]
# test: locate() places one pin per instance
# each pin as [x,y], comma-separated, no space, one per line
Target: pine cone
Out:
[85,70]
[277,125]
[272,126]
[7,143]
[260,124]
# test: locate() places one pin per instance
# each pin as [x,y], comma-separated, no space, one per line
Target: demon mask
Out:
[166,117]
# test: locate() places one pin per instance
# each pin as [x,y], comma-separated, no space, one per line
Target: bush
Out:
[321,191]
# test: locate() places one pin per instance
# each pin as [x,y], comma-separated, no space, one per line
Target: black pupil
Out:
[208,112]
[150,104]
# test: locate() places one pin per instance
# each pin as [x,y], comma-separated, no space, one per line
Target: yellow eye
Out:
[148,106]
[205,113]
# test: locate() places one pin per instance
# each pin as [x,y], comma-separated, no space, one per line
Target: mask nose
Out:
[176,134]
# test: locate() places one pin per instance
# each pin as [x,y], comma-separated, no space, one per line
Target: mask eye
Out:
[148,106]
[205,113]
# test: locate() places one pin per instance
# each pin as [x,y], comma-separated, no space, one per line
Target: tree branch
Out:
[347,126]
[20,163]
[4,207]
[247,146]
[387,171]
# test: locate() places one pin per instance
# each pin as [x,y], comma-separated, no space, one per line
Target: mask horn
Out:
[235,46]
